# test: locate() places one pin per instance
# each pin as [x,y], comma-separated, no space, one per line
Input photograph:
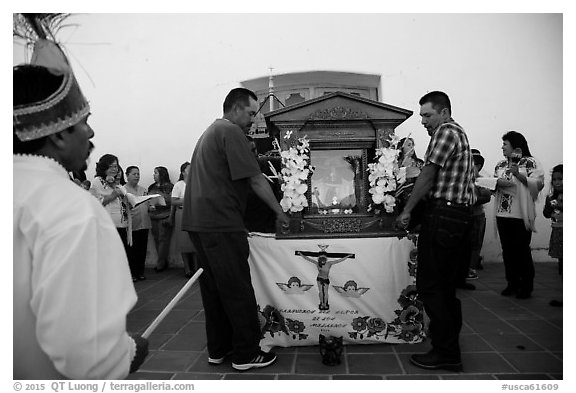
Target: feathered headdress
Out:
[67,105]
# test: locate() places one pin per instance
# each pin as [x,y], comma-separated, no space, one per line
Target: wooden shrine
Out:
[343,131]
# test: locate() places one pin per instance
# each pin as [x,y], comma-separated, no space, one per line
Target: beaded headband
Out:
[64,108]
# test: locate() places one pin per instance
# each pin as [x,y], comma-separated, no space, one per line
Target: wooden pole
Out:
[171,305]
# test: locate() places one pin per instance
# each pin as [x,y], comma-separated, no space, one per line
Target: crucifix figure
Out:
[323,264]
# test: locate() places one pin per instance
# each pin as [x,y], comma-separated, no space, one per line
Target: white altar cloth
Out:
[371,296]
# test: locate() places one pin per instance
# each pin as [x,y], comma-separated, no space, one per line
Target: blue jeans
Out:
[162,234]
[443,247]
[230,308]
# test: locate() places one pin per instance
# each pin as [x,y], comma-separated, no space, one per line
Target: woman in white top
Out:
[183,242]
[141,224]
[107,191]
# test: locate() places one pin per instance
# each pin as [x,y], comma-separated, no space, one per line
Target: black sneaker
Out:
[263,359]
[432,361]
[220,360]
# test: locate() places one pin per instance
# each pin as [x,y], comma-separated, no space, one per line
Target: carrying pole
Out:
[171,305]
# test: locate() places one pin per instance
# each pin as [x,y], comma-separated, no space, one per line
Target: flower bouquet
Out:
[294,176]
[383,177]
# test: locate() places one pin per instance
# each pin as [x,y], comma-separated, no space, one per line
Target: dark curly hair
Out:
[104,163]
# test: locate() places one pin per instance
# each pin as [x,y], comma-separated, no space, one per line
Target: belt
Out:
[445,203]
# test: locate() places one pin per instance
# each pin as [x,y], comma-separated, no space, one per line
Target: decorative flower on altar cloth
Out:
[375,325]
[410,319]
[359,323]
[383,176]
[367,327]
[294,175]
[272,321]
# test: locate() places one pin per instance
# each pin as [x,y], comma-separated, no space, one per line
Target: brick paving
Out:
[502,338]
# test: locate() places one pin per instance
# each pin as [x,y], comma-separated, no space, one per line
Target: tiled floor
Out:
[502,338]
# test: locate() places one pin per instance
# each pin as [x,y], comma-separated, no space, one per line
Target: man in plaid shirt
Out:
[446,187]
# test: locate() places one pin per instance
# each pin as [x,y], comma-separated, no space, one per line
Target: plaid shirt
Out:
[449,149]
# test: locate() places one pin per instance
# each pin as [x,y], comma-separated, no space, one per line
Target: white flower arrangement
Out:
[383,176]
[294,175]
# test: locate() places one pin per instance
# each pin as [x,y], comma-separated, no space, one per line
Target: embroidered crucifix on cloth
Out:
[322,261]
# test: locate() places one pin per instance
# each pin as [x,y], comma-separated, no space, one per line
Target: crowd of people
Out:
[74,251]
[161,216]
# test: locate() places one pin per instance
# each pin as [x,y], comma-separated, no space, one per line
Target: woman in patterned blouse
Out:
[520,179]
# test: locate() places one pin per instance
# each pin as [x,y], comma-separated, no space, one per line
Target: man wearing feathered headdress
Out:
[72,288]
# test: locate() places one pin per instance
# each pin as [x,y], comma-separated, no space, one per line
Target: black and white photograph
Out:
[288,195]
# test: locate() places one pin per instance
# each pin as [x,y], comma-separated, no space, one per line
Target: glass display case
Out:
[336,185]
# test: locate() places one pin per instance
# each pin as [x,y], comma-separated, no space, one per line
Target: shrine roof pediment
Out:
[338,106]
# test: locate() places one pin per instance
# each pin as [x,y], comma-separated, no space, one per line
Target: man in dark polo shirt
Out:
[447,184]
[222,170]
